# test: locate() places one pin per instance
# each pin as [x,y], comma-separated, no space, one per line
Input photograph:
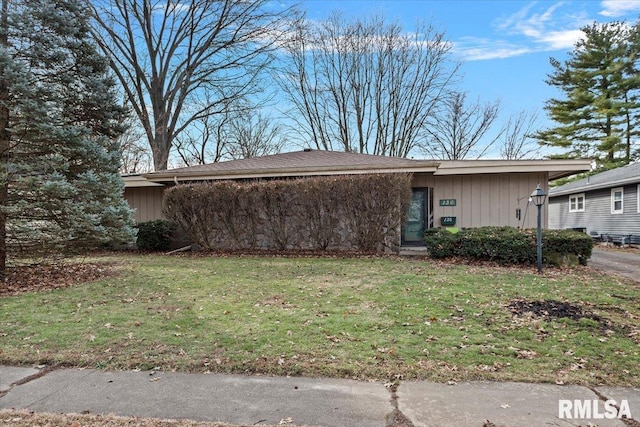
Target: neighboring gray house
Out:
[606,205]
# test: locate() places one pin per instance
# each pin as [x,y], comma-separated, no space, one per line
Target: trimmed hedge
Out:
[440,242]
[567,242]
[155,235]
[509,245]
[353,212]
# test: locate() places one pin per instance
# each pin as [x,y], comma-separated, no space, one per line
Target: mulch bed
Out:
[550,309]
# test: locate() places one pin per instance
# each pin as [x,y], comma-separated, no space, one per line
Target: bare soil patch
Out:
[551,309]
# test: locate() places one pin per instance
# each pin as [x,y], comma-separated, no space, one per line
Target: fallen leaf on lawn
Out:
[526,354]
[36,278]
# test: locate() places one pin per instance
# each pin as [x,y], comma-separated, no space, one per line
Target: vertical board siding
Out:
[485,199]
[145,201]
[597,216]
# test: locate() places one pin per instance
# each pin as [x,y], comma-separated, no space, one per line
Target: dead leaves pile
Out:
[37,278]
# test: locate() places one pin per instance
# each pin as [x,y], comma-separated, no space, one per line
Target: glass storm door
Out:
[418,217]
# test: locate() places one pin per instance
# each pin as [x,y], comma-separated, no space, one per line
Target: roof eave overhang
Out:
[283,173]
[138,181]
[556,169]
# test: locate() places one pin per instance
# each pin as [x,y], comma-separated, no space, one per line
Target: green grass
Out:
[360,318]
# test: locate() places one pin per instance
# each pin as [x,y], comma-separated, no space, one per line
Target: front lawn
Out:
[363,318]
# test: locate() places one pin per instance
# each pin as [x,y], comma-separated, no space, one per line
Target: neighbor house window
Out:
[616,200]
[576,203]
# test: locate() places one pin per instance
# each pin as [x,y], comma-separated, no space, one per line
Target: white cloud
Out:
[530,29]
[558,40]
[532,25]
[617,8]
[478,49]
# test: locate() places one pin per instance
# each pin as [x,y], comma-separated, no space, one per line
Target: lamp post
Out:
[538,196]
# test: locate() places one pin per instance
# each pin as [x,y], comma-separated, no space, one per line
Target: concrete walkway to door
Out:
[617,261]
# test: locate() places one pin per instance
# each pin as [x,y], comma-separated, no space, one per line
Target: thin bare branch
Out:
[365,86]
[165,55]
[458,129]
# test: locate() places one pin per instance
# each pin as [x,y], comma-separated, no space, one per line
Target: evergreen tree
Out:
[60,189]
[599,115]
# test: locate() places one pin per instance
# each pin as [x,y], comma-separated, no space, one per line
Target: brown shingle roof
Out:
[307,161]
[320,162]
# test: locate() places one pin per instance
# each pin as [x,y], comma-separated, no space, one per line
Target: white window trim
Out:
[577,196]
[613,201]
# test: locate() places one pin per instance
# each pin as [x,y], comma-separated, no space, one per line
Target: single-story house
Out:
[464,193]
[605,205]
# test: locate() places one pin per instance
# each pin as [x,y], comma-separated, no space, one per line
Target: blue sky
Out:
[505,44]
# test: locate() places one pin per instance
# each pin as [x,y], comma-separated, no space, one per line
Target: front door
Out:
[418,218]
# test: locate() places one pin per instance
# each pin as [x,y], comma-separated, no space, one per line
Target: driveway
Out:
[619,262]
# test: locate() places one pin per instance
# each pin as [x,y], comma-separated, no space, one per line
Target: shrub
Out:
[375,207]
[567,242]
[362,212]
[509,245]
[155,235]
[440,242]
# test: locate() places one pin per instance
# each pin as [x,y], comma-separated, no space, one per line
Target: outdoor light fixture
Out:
[538,197]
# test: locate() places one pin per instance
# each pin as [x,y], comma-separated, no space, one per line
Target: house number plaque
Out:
[447,202]
[447,221]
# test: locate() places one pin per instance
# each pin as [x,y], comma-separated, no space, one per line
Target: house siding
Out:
[146,202]
[482,199]
[597,217]
[485,199]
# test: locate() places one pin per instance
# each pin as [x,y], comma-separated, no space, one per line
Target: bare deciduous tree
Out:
[365,86]
[230,135]
[517,137]
[457,131]
[204,142]
[134,153]
[168,55]
[254,136]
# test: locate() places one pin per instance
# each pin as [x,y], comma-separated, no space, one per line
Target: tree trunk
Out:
[160,150]
[4,142]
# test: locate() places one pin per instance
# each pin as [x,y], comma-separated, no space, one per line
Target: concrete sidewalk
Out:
[255,400]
